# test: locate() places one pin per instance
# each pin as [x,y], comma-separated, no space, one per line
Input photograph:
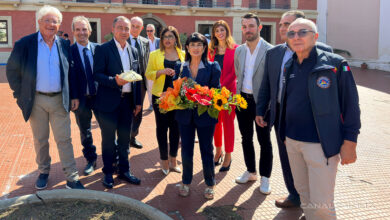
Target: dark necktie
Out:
[139,55]
[88,73]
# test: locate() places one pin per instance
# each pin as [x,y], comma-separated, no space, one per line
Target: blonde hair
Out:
[213,45]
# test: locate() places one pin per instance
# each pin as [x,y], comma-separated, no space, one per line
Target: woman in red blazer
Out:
[221,49]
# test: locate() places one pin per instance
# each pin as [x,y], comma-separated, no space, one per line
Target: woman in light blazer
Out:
[161,70]
[204,73]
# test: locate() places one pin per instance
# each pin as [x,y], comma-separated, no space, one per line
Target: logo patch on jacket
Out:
[323,82]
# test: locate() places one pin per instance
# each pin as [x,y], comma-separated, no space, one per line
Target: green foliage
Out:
[183,38]
[108,36]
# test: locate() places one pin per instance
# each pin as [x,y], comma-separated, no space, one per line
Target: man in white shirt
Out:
[117,100]
[249,67]
[154,44]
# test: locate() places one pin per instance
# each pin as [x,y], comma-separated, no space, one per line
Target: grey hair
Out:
[151,25]
[122,18]
[304,21]
[46,9]
[137,18]
[79,19]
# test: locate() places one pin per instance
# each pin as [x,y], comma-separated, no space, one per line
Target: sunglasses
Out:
[301,33]
[149,30]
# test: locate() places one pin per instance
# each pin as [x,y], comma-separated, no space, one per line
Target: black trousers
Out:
[163,123]
[287,175]
[136,120]
[246,120]
[115,125]
[83,119]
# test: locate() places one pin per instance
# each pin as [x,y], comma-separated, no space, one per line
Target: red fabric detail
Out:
[225,125]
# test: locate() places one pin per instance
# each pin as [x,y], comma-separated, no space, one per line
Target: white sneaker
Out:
[264,185]
[244,178]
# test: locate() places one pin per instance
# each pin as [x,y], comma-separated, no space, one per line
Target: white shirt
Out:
[152,44]
[89,55]
[287,55]
[250,60]
[125,58]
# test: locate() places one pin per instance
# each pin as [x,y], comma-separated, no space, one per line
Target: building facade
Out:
[359,27]
[17,17]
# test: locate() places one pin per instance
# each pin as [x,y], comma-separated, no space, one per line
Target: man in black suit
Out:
[270,89]
[37,72]
[142,45]
[82,87]
[116,100]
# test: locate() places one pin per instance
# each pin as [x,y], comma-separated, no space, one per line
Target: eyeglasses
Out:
[169,37]
[50,21]
[149,30]
[301,33]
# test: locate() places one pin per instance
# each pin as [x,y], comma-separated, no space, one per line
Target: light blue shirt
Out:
[287,55]
[89,55]
[48,67]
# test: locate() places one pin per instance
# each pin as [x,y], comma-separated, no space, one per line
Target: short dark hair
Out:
[66,35]
[174,32]
[296,13]
[251,15]
[196,37]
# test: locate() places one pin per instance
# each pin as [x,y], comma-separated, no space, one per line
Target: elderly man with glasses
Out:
[37,72]
[319,118]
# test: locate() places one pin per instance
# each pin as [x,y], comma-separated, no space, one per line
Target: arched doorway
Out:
[156,21]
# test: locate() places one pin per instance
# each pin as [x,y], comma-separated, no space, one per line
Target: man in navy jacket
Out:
[116,100]
[37,72]
[82,87]
[270,89]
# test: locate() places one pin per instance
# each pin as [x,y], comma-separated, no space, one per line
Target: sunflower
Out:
[241,102]
[225,92]
[219,102]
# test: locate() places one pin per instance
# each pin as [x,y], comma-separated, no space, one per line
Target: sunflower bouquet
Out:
[187,94]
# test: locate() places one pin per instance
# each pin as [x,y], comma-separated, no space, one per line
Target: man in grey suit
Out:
[142,45]
[249,66]
[37,72]
[271,90]
[154,44]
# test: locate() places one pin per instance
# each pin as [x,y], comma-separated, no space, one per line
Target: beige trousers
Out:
[314,178]
[50,110]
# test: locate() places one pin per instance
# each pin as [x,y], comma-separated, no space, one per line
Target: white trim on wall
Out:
[9,31]
[273,31]
[98,28]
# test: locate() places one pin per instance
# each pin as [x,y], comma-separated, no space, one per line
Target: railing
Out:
[187,3]
[260,4]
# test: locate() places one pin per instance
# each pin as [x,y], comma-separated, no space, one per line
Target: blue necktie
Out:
[88,73]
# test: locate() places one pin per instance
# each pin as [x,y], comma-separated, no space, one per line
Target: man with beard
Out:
[249,67]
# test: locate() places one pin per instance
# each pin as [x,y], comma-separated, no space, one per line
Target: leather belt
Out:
[51,94]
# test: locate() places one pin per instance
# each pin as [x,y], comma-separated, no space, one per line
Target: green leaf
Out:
[213,112]
[201,109]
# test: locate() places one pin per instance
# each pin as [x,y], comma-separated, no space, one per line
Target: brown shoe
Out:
[284,203]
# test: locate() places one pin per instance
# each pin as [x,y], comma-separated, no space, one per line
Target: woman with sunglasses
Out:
[204,73]
[161,70]
[221,49]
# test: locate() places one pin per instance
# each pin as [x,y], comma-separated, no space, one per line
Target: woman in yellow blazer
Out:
[161,70]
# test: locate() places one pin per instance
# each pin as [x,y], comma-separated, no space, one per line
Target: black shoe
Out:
[128,177]
[42,180]
[74,185]
[134,143]
[219,161]
[224,169]
[108,181]
[90,167]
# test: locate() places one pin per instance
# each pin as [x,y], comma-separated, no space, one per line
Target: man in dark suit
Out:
[116,100]
[270,89]
[37,72]
[82,87]
[142,45]
[154,44]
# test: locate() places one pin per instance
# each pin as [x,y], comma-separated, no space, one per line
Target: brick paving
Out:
[362,189]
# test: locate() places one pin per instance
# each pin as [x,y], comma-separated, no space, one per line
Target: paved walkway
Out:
[362,189]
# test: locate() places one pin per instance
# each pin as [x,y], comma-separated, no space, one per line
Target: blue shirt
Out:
[48,67]
[300,124]
[89,55]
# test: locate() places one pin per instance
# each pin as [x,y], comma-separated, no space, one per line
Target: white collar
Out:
[118,45]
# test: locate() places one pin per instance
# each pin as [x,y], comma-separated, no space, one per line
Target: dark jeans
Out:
[287,175]
[205,135]
[83,118]
[116,126]
[246,120]
[163,122]
[138,118]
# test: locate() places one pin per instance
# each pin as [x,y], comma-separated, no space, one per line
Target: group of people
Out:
[300,87]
